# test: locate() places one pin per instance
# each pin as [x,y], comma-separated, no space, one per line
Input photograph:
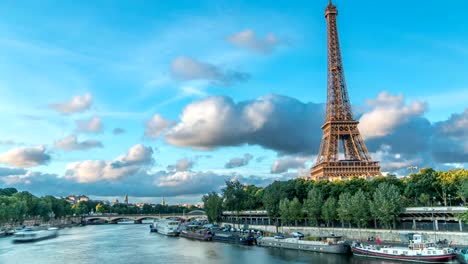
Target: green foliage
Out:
[345,208]
[284,211]
[386,204]
[313,205]
[462,191]
[295,210]
[234,196]
[213,205]
[329,212]
[271,199]
[360,208]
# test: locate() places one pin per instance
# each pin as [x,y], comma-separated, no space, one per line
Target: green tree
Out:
[272,196]
[284,211]
[345,208]
[424,199]
[313,205]
[234,197]
[463,190]
[329,212]
[213,205]
[295,210]
[80,208]
[360,208]
[386,204]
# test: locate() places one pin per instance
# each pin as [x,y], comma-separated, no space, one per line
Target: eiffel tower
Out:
[340,128]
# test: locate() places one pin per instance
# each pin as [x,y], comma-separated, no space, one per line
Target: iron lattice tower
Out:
[340,126]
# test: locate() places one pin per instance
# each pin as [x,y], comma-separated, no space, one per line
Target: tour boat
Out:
[195,232]
[326,244]
[233,237]
[416,251]
[168,227]
[30,235]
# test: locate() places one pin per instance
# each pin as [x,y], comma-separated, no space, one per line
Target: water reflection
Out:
[118,244]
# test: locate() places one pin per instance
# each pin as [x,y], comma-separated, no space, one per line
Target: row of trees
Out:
[357,200]
[383,205]
[16,206]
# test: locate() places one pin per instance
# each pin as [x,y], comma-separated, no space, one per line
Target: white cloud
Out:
[387,113]
[92,125]
[25,157]
[287,163]
[272,121]
[184,164]
[187,69]
[157,125]
[70,143]
[138,159]
[77,103]
[248,39]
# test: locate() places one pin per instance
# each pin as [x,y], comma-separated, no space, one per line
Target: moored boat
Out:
[416,251]
[31,235]
[233,237]
[195,232]
[153,228]
[462,255]
[325,244]
[168,227]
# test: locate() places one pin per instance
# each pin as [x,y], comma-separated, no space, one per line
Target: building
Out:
[73,199]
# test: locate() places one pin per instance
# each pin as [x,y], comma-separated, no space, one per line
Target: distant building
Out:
[126,199]
[116,201]
[163,202]
[140,205]
[73,199]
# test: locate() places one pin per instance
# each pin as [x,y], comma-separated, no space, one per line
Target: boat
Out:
[234,237]
[325,244]
[168,227]
[31,235]
[416,251]
[153,228]
[462,255]
[196,232]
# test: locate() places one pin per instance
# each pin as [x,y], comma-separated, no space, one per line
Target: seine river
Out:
[119,244]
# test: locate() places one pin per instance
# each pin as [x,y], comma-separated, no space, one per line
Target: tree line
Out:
[357,201]
[15,207]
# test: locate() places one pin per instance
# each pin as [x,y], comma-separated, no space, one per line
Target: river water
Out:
[127,244]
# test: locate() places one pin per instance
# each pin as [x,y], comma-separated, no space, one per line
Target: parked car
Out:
[279,236]
[298,235]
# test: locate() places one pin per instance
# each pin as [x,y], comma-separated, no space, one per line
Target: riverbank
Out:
[59,222]
[456,238]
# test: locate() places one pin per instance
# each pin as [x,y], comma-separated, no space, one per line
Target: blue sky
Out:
[210,83]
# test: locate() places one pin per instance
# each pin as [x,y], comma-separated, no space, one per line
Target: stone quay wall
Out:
[457,238]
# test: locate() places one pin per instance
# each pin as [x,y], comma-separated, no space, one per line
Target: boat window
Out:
[385,251]
[395,251]
[405,252]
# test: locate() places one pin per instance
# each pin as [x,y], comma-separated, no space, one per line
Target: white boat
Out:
[168,227]
[416,251]
[125,222]
[31,235]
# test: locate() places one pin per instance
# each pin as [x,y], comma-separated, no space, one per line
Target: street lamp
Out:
[450,200]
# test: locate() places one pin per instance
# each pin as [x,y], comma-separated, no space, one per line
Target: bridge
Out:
[138,218]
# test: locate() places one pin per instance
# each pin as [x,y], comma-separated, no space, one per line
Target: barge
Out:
[325,244]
